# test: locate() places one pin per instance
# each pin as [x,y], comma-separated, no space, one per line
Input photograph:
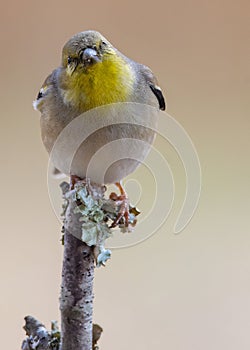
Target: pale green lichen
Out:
[103,256]
[96,213]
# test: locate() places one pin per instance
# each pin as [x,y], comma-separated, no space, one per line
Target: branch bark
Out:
[76,302]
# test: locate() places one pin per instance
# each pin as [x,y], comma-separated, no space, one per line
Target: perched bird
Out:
[93,73]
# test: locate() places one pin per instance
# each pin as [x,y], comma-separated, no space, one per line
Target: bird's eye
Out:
[70,60]
[102,44]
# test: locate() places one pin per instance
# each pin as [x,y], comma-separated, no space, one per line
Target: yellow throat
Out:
[108,81]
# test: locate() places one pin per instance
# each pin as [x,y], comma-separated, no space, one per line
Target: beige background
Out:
[190,291]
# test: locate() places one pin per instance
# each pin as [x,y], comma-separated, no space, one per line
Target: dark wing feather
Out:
[153,84]
[158,93]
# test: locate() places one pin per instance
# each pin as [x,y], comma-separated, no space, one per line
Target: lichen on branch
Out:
[87,216]
[38,337]
[96,213]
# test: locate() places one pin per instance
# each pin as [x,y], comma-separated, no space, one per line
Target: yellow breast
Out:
[108,81]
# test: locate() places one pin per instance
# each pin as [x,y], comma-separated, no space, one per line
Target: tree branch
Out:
[76,302]
[87,216]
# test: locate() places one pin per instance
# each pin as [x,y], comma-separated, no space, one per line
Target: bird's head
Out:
[94,72]
[84,50]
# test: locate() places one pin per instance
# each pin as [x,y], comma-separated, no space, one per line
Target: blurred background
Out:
[188,291]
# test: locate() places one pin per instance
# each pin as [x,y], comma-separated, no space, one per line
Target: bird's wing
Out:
[158,93]
[152,82]
[43,91]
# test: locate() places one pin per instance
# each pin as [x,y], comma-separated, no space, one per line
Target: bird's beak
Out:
[90,56]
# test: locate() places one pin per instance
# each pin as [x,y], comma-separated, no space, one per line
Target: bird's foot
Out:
[73,180]
[122,202]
